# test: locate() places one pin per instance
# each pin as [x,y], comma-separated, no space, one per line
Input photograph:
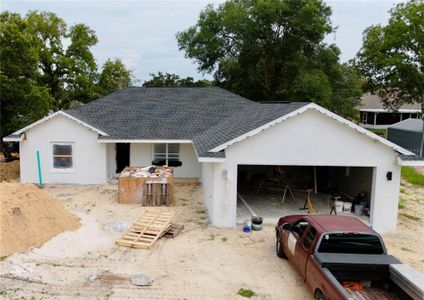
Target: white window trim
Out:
[365,117]
[166,151]
[51,161]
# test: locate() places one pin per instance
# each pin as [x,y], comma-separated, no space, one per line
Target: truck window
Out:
[299,227]
[351,243]
[309,238]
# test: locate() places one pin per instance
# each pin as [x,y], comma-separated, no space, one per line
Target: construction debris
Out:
[141,280]
[148,186]
[148,228]
[174,230]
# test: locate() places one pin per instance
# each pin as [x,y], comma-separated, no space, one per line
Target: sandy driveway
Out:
[201,263]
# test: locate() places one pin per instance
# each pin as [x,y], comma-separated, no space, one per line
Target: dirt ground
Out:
[202,262]
[9,171]
[407,242]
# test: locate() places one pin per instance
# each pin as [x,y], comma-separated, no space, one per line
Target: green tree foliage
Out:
[273,50]
[114,76]
[173,80]
[23,99]
[45,65]
[69,72]
[392,56]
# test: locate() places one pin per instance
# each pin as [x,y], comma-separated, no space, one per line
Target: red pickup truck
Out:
[339,257]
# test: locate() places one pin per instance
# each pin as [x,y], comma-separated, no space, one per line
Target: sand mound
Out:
[9,171]
[29,218]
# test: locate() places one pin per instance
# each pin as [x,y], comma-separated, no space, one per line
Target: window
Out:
[62,156]
[167,152]
[299,227]
[364,118]
[357,243]
[309,238]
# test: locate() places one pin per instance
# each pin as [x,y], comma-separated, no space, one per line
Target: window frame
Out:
[364,117]
[167,153]
[53,169]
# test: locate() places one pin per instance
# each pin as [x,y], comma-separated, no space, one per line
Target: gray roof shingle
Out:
[243,121]
[159,113]
[209,116]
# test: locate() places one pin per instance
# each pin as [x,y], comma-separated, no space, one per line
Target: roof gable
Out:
[58,113]
[222,146]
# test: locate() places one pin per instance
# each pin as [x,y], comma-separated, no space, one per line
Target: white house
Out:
[373,114]
[215,135]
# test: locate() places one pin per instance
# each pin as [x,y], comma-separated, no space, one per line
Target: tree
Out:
[23,100]
[68,72]
[174,80]
[114,76]
[39,74]
[272,50]
[392,56]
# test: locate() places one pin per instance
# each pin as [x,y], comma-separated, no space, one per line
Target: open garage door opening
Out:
[275,191]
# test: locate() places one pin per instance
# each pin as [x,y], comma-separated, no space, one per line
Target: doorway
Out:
[122,156]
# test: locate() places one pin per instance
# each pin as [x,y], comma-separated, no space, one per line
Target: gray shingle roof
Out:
[159,113]
[208,116]
[370,101]
[243,121]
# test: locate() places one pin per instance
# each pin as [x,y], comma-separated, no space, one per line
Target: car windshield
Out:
[351,243]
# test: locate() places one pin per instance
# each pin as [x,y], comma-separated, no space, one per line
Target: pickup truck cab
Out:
[339,257]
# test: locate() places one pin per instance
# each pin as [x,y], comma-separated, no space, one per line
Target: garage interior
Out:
[275,191]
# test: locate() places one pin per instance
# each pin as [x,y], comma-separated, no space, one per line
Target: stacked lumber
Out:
[147,229]
[148,186]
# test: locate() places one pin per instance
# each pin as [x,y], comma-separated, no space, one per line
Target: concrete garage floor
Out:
[267,204]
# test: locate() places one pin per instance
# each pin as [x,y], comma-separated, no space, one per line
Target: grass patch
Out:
[3,293]
[247,293]
[3,258]
[402,204]
[405,249]
[201,211]
[380,132]
[211,237]
[224,239]
[411,217]
[412,176]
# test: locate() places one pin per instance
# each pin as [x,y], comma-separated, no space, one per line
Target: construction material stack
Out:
[148,186]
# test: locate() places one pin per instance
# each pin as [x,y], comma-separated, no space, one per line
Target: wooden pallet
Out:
[174,230]
[147,229]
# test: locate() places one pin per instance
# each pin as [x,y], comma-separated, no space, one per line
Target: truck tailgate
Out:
[410,280]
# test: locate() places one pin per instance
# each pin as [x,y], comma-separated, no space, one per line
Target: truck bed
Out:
[368,274]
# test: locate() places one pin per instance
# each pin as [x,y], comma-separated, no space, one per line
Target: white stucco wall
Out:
[311,139]
[141,154]
[89,156]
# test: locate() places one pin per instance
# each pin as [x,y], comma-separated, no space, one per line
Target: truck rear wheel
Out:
[279,248]
[319,295]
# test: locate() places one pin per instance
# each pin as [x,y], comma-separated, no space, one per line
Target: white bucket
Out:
[339,206]
[347,206]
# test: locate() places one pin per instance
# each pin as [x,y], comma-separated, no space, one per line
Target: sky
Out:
[142,33]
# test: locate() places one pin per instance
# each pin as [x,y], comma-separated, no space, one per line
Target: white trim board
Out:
[383,110]
[321,110]
[17,139]
[410,163]
[114,141]
[61,113]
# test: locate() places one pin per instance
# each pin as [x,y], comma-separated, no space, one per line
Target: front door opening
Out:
[122,156]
